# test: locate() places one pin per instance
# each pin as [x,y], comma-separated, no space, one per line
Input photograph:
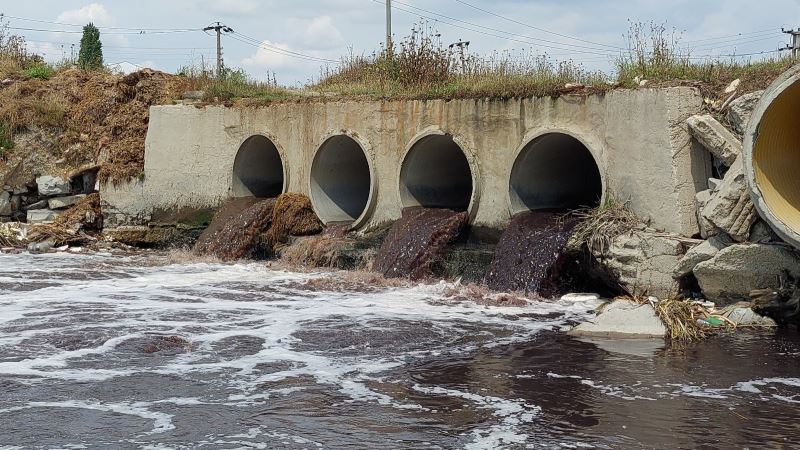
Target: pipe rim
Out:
[532,135]
[281,153]
[466,150]
[367,150]
[784,82]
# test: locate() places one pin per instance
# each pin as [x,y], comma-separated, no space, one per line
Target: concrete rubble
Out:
[700,253]
[730,208]
[733,272]
[623,319]
[716,138]
[50,186]
[739,110]
[644,261]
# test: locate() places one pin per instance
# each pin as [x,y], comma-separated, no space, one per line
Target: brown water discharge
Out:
[415,243]
[528,252]
[245,225]
[234,232]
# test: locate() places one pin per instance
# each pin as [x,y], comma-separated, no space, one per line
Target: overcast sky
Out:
[588,31]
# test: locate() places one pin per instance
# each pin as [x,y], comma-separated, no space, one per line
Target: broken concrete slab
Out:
[741,109]
[49,186]
[65,202]
[644,262]
[41,204]
[701,200]
[623,318]
[700,253]
[730,208]
[737,270]
[715,138]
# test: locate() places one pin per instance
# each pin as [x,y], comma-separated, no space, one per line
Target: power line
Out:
[273,48]
[566,36]
[140,32]
[530,40]
[513,38]
[2,15]
[771,30]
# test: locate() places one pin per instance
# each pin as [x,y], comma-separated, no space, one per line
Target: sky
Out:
[294,39]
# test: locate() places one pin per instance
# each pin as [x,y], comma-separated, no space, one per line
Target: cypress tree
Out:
[91,54]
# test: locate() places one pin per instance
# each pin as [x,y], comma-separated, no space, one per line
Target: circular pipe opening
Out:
[772,145]
[258,169]
[341,180]
[555,171]
[436,174]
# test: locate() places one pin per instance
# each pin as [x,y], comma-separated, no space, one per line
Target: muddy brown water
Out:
[145,354]
[415,244]
[529,250]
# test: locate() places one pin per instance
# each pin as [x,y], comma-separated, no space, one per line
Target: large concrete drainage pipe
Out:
[772,156]
[555,171]
[341,180]
[258,169]
[436,174]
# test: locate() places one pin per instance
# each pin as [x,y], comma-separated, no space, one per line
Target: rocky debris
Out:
[51,186]
[742,315]
[35,216]
[741,109]
[42,247]
[41,204]
[700,253]
[65,202]
[761,233]
[782,304]
[83,216]
[735,271]
[715,138]
[644,261]
[5,204]
[701,199]
[730,208]
[623,319]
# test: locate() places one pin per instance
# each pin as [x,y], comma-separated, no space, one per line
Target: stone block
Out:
[737,270]
[741,109]
[715,138]
[50,186]
[622,319]
[700,253]
[65,202]
[730,208]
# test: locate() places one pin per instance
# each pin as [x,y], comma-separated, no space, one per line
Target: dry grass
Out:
[656,54]
[422,68]
[599,226]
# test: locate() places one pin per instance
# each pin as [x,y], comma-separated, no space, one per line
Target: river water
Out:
[134,352]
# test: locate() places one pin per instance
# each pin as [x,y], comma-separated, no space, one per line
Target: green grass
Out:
[39,71]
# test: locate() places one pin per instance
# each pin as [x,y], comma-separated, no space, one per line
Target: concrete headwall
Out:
[637,138]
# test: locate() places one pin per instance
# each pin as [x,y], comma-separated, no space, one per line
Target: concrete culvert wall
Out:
[258,169]
[555,171]
[341,180]
[772,156]
[436,174]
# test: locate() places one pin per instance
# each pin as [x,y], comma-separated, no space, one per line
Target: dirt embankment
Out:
[78,119]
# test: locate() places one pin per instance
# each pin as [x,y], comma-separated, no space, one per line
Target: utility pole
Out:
[219,28]
[795,45]
[389,25]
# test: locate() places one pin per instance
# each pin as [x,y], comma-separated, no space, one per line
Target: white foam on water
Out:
[205,303]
